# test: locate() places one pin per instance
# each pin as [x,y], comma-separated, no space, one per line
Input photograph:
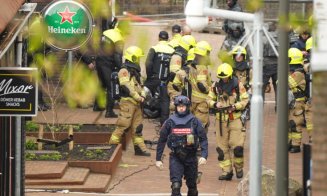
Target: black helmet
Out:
[182,100]
[231,3]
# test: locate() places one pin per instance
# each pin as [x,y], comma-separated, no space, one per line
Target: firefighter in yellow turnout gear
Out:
[195,80]
[229,97]
[296,82]
[308,106]
[130,103]
[241,67]
[178,59]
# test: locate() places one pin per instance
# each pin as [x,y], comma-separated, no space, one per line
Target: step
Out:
[72,176]
[45,169]
[94,183]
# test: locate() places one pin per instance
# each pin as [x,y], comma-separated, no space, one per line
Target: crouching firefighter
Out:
[183,134]
[130,116]
[229,97]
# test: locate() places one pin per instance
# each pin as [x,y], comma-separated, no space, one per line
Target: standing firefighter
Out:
[229,97]
[183,134]
[176,34]
[241,67]
[130,102]
[196,81]
[157,70]
[296,82]
[308,89]
[177,61]
[242,71]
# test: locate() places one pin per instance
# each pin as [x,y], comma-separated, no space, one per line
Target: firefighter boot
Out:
[110,113]
[239,173]
[295,149]
[140,152]
[192,192]
[97,108]
[227,176]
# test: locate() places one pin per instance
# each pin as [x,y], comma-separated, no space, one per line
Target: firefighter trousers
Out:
[230,145]
[201,111]
[296,123]
[130,117]
[308,118]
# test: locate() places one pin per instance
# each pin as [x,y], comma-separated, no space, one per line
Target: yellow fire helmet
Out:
[202,48]
[239,50]
[133,54]
[308,44]
[224,70]
[190,55]
[295,56]
[187,42]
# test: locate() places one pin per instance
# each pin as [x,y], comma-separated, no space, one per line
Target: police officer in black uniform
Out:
[234,29]
[183,134]
[270,61]
[109,59]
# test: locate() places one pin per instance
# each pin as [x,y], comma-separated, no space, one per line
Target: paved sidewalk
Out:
[138,175]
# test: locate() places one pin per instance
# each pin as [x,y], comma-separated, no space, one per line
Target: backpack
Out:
[115,87]
[164,66]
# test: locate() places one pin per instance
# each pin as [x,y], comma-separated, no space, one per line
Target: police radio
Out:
[115,87]
[164,66]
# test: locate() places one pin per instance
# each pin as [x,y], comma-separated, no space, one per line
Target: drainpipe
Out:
[282,104]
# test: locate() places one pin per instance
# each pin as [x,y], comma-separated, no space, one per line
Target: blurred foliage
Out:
[225,57]
[98,8]
[80,86]
[254,5]
[300,23]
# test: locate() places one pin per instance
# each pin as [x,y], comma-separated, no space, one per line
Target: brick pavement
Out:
[137,175]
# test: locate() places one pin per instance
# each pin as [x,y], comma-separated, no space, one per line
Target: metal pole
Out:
[282,103]
[256,122]
[18,157]
[70,64]
[19,50]
[18,139]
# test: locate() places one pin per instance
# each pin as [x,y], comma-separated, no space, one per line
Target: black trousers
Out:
[104,71]
[164,103]
[152,85]
[187,168]
[269,71]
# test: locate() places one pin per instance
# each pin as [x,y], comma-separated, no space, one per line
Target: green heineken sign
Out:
[68,24]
